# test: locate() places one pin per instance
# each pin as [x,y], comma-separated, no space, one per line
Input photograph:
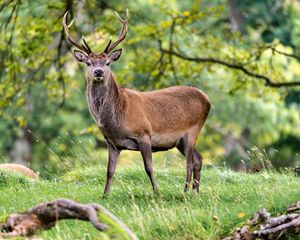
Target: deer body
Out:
[141,121]
[165,116]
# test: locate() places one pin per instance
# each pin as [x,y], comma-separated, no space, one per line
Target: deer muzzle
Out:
[98,74]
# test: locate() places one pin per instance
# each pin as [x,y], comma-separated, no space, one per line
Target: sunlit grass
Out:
[226,199]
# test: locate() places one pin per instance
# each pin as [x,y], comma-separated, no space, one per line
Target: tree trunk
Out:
[21,152]
[236,16]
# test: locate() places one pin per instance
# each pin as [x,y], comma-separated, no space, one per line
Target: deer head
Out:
[98,64]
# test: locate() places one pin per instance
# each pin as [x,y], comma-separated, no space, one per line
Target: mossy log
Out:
[45,215]
[263,226]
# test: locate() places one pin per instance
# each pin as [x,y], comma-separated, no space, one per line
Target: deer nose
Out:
[98,72]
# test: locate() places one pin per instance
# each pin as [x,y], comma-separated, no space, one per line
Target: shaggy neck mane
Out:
[105,102]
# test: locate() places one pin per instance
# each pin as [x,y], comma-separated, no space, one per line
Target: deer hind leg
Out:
[145,148]
[197,170]
[187,149]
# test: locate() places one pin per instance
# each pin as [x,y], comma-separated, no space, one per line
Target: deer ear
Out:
[80,56]
[115,55]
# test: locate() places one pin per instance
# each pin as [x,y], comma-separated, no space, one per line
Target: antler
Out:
[122,34]
[84,47]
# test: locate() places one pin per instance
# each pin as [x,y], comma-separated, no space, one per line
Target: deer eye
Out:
[88,63]
[107,63]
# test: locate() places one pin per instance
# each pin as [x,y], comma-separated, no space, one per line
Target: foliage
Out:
[226,199]
[274,19]
[42,87]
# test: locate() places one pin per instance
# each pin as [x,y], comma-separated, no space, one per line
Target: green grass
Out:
[225,200]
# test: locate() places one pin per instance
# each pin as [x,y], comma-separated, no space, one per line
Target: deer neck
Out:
[105,101]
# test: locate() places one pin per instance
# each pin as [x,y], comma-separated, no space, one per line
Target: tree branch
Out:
[263,226]
[161,64]
[273,48]
[172,29]
[44,216]
[268,81]
[59,65]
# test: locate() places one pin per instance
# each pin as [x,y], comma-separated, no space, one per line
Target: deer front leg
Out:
[113,156]
[145,148]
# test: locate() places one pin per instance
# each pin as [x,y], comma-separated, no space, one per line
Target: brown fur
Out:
[142,114]
[17,168]
[165,111]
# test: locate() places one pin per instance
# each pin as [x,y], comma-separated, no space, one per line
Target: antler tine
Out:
[107,46]
[84,47]
[122,34]
[120,19]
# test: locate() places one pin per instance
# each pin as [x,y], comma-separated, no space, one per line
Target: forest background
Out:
[244,54]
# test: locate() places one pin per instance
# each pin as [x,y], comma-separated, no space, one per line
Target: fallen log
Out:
[45,215]
[263,226]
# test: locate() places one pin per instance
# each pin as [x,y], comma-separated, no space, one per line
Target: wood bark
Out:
[21,152]
[263,226]
[45,215]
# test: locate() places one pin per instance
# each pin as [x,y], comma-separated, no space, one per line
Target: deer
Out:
[141,121]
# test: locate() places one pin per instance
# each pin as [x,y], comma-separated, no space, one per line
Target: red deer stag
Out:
[141,121]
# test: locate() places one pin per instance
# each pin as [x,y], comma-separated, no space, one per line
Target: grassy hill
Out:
[226,198]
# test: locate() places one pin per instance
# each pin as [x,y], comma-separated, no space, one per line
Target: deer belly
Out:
[166,140]
[125,144]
